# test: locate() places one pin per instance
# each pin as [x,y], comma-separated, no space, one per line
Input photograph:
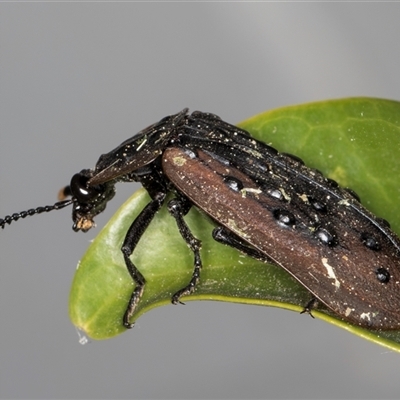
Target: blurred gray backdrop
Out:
[77,80]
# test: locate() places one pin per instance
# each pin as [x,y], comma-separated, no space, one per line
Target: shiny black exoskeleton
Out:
[267,204]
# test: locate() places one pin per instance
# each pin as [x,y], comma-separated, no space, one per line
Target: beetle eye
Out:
[80,189]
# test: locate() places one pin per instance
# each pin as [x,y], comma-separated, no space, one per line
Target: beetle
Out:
[266,204]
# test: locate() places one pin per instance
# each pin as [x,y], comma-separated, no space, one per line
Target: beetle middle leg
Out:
[178,208]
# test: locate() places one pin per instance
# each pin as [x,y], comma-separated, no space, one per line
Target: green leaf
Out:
[354,141]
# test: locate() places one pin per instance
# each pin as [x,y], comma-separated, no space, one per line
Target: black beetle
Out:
[267,204]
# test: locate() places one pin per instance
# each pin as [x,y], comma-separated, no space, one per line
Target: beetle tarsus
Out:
[311,305]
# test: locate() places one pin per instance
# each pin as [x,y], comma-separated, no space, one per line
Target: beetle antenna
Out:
[23,214]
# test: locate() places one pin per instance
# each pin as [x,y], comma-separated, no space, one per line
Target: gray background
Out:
[78,79]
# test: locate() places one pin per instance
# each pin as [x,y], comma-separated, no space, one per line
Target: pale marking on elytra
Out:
[366,316]
[244,191]
[285,195]
[233,226]
[142,144]
[179,161]
[344,202]
[331,273]
[303,197]
[348,311]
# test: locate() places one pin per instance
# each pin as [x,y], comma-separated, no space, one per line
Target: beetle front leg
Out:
[132,238]
[178,208]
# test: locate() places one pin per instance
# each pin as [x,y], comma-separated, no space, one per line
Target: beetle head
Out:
[88,200]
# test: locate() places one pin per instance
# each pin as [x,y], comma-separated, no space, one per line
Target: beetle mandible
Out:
[266,204]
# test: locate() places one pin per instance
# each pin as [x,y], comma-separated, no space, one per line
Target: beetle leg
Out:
[311,305]
[178,208]
[224,236]
[132,238]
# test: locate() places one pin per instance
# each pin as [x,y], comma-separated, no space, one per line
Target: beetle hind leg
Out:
[224,236]
[311,305]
